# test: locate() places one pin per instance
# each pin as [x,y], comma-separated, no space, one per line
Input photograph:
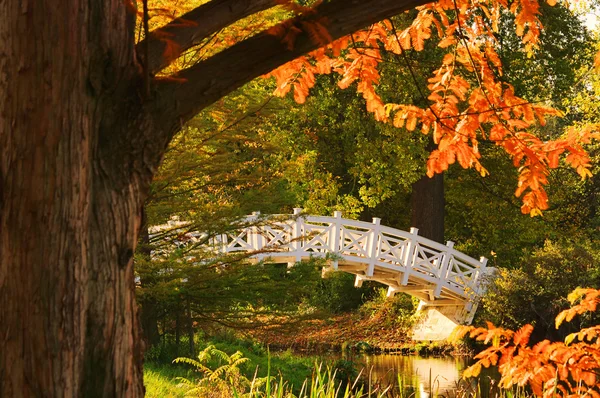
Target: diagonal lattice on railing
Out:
[437,274]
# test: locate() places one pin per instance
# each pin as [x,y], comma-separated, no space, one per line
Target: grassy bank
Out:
[160,374]
[159,380]
[290,368]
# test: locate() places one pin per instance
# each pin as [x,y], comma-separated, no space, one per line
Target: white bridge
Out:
[448,282]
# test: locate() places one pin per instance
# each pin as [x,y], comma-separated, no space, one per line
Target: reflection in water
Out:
[422,376]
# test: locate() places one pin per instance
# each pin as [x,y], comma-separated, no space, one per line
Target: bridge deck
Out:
[404,261]
[437,274]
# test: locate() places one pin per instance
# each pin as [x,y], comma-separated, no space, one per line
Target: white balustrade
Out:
[405,261]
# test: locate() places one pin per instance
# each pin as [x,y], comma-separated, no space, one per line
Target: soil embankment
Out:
[345,331]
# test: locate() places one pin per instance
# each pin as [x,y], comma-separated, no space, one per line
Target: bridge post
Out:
[373,246]
[334,242]
[222,241]
[409,255]
[256,239]
[477,288]
[358,281]
[443,271]
[297,234]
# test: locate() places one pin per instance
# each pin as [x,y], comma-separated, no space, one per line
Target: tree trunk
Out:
[427,204]
[177,332]
[70,200]
[190,327]
[427,207]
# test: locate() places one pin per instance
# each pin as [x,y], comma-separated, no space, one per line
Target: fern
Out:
[225,381]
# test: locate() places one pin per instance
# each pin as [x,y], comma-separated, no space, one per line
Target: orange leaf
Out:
[521,337]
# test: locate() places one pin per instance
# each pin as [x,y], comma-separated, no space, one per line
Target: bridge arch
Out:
[447,282]
[443,278]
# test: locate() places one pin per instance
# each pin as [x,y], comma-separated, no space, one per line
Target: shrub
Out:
[222,382]
[337,293]
[536,293]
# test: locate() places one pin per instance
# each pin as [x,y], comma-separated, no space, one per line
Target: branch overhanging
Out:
[191,28]
[204,83]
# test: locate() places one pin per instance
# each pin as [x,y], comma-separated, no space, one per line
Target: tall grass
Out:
[323,383]
[160,380]
[220,375]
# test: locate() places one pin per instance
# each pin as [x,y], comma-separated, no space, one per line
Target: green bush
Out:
[397,312]
[535,293]
[336,293]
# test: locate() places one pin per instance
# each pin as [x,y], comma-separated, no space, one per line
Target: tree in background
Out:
[215,173]
[483,214]
[346,161]
[212,174]
[536,292]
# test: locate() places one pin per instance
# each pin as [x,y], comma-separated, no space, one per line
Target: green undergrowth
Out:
[323,382]
[294,369]
[159,379]
[160,372]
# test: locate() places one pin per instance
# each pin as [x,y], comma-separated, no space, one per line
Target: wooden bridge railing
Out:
[438,274]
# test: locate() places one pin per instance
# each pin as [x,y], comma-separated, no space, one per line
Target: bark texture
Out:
[427,207]
[70,194]
[190,29]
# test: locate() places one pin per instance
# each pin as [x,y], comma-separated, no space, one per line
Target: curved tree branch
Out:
[215,77]
[191,28]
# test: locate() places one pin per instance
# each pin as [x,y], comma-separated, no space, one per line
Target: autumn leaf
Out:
[521,337]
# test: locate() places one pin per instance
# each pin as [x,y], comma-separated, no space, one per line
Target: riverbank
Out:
[375,370]
[350,331]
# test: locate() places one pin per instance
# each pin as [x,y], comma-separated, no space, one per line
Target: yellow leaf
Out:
[569,339]
[560,318]
[411,123]
[472,371]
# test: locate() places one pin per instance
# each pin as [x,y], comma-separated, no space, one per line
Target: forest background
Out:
[255,151]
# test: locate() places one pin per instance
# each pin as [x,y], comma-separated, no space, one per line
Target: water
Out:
[416,373]
[418,376]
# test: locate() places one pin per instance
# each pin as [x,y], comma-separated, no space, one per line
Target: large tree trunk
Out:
[70,200]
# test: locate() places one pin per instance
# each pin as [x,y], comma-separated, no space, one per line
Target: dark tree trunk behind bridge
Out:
[427,204]
[427,207]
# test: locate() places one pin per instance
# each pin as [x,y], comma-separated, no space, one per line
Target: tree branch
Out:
[191,28]
[215,77]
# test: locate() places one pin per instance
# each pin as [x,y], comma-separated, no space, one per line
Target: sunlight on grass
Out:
[160,382]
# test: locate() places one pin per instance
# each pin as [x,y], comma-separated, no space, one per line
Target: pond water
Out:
[418,376]
[416,373]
